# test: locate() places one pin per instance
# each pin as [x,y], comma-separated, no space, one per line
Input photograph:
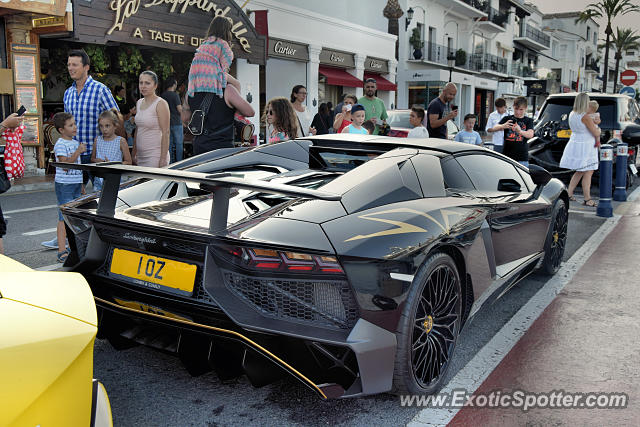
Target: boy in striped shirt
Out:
[68,182]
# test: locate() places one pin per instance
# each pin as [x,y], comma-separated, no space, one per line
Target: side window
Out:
[485,171]
[454,175]
[633,110]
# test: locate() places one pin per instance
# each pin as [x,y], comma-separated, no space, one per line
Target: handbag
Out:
[196,123]
[5,184]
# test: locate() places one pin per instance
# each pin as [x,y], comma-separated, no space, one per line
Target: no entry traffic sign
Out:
[628,77]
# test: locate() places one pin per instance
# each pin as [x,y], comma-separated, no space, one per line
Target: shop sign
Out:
[49,21]
[375,65]
[172,24]
[289,50]
[337,59]
[536,87]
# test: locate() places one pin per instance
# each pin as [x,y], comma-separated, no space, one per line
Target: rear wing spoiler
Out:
[218,183]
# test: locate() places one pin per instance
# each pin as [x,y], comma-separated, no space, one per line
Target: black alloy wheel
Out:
[556,238]
[429,327]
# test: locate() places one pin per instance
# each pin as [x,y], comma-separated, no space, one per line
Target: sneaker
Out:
[51,244]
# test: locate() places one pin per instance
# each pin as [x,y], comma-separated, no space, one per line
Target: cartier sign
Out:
[337,59]
[375,65]
[172,24]
[289,50]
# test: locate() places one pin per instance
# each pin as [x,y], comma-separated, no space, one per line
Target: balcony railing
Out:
[494,63]
[498,17]
[438,53]
[478,4]
[522,70]
[593,65]
[534,34]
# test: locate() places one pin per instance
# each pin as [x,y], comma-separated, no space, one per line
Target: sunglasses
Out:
[270,112]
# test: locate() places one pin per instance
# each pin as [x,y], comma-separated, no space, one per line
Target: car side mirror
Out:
[509,185]
[539,175]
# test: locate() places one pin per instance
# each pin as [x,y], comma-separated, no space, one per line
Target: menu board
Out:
[26,88]
[31,135]
[27,96]
[24,69]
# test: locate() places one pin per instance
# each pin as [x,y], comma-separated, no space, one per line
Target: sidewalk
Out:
[586,341]
[32,183]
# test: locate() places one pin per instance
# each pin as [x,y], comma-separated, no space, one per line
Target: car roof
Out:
[435,144]
[591,95]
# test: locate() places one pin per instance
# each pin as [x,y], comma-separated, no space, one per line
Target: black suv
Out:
[620,117]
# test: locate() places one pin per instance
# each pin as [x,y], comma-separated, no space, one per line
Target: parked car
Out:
[398,120]
[354,274]
[49,325]
[620,117]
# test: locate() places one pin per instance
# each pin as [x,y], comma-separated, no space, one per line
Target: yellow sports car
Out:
[48,325]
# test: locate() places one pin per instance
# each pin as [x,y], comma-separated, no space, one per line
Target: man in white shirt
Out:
[494,128]
[415,119]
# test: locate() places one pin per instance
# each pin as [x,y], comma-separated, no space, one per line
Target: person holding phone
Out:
[518,129]
[343,119]
[437,117]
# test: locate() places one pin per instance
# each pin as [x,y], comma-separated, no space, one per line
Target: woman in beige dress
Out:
[151,142]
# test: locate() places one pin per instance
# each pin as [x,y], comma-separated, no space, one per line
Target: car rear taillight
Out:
[274,260]
[631,151]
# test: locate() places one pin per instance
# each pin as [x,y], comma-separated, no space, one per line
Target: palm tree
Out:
[624,39]
[608,9]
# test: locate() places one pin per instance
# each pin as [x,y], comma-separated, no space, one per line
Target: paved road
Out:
[147,387]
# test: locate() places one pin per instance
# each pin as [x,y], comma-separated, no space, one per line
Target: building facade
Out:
[575,66]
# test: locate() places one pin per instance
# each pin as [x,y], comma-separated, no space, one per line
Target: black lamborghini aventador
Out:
[350,262]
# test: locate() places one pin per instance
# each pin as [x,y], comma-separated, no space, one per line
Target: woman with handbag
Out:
[213,95]
[12,122]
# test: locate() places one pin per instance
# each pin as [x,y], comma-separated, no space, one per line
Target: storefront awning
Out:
[339,77]
[382,83]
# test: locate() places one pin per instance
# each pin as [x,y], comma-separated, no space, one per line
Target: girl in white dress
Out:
[581,152]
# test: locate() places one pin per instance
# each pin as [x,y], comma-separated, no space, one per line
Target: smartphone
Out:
[454,107]
[21,110]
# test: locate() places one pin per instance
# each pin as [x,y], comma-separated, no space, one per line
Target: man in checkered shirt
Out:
[86,99]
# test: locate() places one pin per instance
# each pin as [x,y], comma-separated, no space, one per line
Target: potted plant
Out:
[416,42]
[461,57]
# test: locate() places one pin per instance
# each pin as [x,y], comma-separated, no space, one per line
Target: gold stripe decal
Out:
[227,331]
[403,227]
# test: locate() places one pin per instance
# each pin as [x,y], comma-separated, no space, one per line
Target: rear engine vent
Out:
[324,303]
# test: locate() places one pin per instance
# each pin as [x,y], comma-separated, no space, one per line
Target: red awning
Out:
[382,83]
[339,77]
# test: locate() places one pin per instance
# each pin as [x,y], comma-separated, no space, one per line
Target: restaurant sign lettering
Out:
[173,24]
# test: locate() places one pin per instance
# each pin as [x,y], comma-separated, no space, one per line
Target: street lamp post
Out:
[409,17]
[451,61]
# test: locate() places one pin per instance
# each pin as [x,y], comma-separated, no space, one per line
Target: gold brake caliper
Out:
[428,324]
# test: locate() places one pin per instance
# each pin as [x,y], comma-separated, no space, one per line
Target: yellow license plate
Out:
[154,272]
[565,133]
[149,309]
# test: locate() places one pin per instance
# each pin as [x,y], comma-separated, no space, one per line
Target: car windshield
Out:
[558,109]
[399,119]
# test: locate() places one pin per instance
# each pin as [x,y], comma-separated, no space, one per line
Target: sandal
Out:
[573,199]
[62,256]
[590,203]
